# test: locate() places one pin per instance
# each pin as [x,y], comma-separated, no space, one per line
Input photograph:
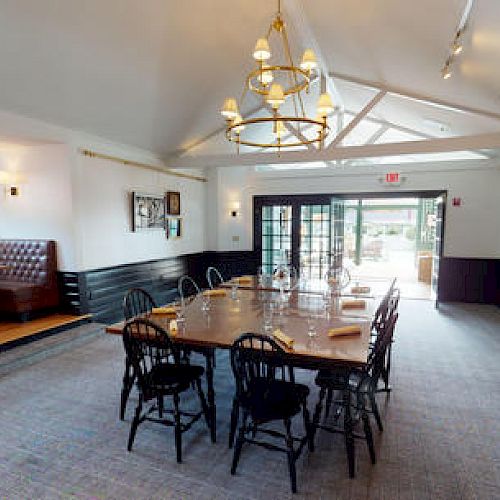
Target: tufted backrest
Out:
[29,261]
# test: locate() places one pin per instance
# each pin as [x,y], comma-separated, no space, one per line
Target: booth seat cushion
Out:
[18,297]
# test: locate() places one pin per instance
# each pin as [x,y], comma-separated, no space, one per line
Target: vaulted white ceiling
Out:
[153,73]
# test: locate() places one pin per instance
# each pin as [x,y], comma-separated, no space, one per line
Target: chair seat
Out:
[169,378]
[274,399]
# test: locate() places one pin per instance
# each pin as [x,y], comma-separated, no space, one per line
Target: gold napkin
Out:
[168,310]
[244,280]
[353,304]
[332,281]
[283,338]
[360,289]
[344,330]
[218,292]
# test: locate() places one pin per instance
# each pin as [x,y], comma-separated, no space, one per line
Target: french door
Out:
[306,232]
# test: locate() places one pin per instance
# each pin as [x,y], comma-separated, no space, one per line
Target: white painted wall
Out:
[44,207]
[104,236]
[83,203]
[472,230]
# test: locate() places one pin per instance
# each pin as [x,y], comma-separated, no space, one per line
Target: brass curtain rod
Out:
[156,168]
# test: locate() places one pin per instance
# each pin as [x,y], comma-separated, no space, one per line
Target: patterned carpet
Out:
[60,436]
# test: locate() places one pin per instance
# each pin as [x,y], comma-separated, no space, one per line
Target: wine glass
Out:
[205,303]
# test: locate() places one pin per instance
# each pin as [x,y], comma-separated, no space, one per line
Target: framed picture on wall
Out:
[174,228]
[148,212]
[173,202]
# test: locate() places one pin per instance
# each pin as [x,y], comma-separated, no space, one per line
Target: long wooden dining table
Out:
[229,317]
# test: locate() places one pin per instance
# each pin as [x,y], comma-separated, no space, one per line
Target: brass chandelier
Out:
[275,83]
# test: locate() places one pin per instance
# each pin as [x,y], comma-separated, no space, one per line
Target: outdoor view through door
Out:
[375,238]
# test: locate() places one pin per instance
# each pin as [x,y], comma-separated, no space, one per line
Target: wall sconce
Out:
[235,208]
[11,183]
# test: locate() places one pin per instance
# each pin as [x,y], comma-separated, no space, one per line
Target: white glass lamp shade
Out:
[276,96]
[236,124]
[230,109]
[325,105]
[309,61]
[262,52]
[265,77]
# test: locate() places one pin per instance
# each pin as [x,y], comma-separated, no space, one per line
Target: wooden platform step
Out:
[12,333]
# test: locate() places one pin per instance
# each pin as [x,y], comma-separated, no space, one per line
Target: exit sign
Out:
[393,178]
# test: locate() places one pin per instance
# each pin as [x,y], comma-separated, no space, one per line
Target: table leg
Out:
[210,359]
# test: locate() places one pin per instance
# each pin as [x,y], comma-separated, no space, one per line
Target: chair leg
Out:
[128,382]
[388,368]
[203,402]
[178,431]
[160,406]
[376,413]
[329,399]
[308,426]
[317,414]
[135,424]
[291,455]
[235,413]
[367,428]
[239,443]
[348,434]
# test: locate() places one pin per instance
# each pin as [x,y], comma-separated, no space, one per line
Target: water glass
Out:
[234,291]
[311,326]
[268,318]
[180,313]
[205,303]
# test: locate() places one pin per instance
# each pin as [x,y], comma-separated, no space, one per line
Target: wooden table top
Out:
[228,319]
[3,266]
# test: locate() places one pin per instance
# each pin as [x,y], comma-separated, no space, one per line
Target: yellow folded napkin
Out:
[360,289]
[283,338]
[353,304]
[173,328]
[244,280]
[164,310]
[332,281]
[218,292]
[344,330]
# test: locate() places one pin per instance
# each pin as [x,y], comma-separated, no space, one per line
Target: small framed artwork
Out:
[173,202]
[148,212]
[174,228]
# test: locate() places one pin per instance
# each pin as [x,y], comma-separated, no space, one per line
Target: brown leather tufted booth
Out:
[29,281]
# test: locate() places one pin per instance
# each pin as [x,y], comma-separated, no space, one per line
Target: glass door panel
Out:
[315,240]
[276,236]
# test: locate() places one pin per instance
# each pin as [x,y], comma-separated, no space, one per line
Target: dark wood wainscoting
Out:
[100,291]
[469,280]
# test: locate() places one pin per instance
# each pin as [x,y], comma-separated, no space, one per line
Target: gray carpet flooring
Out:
[60,436]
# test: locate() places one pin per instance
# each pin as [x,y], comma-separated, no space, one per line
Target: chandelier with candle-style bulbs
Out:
[276,84]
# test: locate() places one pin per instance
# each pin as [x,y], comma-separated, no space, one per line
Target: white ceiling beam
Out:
[295,12]
[357,119]
[378,134]
[401,128]
[427,146]
[415,96]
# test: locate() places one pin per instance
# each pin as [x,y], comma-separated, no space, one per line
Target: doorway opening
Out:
[386,237]
[375,236]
